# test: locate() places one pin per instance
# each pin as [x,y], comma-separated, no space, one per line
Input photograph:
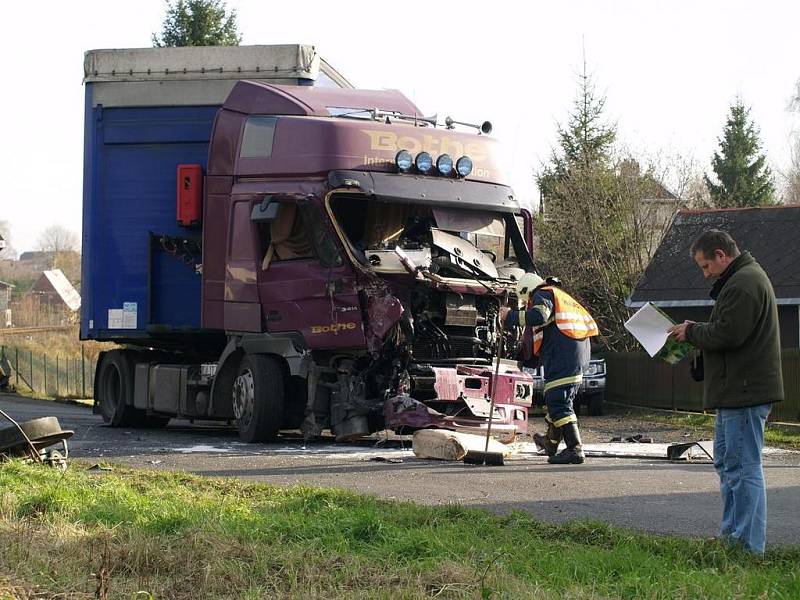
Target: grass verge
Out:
[140,534]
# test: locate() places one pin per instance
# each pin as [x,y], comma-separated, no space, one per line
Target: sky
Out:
[669,72]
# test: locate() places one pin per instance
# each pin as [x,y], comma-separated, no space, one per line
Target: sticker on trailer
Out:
[129,314]
[115,318]
[123,318]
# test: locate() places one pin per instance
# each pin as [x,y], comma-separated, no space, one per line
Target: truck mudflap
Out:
[467,390]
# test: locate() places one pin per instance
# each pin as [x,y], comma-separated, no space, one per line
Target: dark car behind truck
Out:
[591,392]
[302,255]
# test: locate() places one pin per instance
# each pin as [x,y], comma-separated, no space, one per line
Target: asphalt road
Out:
[643,494]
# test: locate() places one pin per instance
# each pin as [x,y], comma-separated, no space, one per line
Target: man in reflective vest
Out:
[560,329]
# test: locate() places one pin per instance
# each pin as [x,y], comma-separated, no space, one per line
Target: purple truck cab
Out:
[352,260]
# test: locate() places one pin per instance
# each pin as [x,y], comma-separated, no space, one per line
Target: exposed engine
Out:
[453,327]
[431,300]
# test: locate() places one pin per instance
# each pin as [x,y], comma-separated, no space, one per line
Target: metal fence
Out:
[638,380]
[50,374]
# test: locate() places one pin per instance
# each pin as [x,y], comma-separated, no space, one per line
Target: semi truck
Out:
[268,246]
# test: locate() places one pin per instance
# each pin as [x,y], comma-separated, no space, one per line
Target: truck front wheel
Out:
[258,398]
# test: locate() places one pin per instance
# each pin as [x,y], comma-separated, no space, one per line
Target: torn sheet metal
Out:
[689,451]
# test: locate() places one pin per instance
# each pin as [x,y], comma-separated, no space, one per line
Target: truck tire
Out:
[258,398]
[115,389]
[115,392]
[594,404]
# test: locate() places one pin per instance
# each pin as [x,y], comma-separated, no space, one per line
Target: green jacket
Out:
[741,343]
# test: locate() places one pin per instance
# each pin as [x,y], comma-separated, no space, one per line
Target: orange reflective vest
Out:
[571,319]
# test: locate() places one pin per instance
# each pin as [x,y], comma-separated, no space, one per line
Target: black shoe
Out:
[543,442]
[568,456]
[573,455]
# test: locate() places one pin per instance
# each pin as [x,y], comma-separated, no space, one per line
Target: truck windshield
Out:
[457,242]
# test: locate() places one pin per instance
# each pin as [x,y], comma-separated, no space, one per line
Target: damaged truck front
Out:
[342,267]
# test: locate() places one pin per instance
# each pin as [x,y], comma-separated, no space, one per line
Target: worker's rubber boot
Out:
[548,441]
[573,453]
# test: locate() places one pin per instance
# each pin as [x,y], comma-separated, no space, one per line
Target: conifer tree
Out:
[585,142]
[743,177]
[198,23]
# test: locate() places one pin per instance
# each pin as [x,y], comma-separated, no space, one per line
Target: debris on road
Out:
[442,444]
[385,459]
[99,467]
[653,451]
[684,451]
[637,439]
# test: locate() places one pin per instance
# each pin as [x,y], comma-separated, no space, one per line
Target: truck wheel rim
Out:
[244,397]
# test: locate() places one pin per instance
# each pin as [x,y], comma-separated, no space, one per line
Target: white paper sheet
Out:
[649,325]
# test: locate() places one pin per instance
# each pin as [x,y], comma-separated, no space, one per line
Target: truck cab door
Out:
[304,285]
[242,309]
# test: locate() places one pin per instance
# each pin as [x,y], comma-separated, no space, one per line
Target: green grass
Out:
[87,534]
[774,435]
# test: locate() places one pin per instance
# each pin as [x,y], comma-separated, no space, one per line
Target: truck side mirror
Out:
[265,211]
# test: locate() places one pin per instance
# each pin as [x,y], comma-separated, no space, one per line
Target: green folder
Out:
[673,350]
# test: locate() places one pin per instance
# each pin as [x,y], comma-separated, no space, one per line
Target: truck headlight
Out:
[464,166]
[595,368]
[444,164]
[424,162]
[403,161]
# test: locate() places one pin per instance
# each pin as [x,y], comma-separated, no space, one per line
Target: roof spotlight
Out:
[403,161]
[464,166]
[444,164]
[424,162]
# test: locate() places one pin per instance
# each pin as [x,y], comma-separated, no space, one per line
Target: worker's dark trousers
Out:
[559,401]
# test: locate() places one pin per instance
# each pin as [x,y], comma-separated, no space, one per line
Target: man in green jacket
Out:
[742,364]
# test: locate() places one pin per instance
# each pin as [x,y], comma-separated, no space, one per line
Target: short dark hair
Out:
[712,240]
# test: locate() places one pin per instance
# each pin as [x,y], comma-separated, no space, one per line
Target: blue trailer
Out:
[146,112]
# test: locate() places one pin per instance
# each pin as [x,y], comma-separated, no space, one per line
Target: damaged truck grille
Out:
[452,347]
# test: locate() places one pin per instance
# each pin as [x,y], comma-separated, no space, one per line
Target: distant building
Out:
[5,299]
[771,234]
[5,294]
[56,292]
[35,260]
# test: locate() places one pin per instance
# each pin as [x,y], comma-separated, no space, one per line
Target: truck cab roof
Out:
[305,131]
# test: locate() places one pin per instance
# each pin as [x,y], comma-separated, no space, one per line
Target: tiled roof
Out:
[56,281]
[770,234]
